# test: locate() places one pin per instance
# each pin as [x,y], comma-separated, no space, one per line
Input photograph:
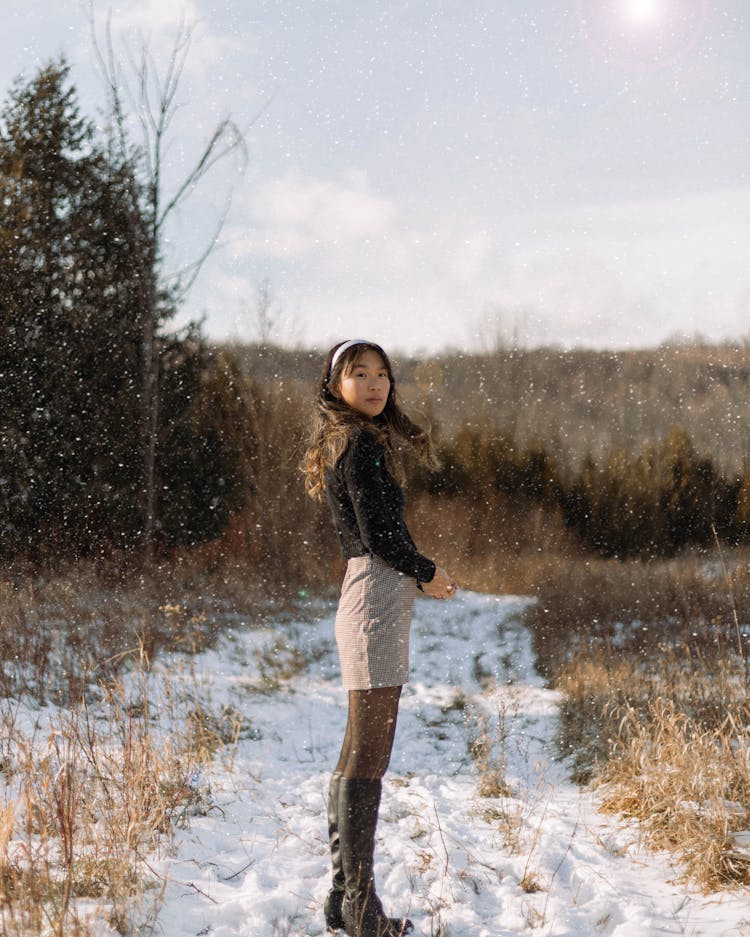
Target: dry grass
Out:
[688,786]
[91,792]
[600,687]
[495,546]
[487,747]
[635,609]
[653,665]
[64,631]
[100,753]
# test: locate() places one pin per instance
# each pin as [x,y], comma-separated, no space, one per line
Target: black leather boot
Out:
[361,911]
[335,896]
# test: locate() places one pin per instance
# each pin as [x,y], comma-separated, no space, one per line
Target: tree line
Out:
[644,504]
[89,464]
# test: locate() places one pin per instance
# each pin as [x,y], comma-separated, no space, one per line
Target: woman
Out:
[354,461]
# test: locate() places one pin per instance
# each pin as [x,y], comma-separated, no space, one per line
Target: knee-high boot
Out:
[335,897]
[362,912]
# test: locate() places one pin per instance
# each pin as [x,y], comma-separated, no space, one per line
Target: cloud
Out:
[352,259]
[348,259]
[294,215]
[624,272]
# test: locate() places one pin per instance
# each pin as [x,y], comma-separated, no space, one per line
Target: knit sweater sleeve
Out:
[378,505]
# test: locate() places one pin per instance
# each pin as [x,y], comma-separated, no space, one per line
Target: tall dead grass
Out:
[99,751]
[68,629]
[92,794]
[653,665]
[636,608]
[688,786]
[492,545]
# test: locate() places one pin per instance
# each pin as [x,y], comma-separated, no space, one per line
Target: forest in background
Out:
[619,454]
[582,402]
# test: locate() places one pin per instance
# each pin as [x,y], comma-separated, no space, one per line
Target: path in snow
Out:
[536,860]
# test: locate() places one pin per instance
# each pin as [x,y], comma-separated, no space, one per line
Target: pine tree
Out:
[67,350]
[687,492]
[76,260]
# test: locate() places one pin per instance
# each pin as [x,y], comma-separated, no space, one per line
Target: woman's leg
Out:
[370,729]
[365,754]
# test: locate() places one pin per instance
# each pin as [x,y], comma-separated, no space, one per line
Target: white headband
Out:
[342,348]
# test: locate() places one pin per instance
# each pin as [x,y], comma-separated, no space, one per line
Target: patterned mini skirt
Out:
[372,624]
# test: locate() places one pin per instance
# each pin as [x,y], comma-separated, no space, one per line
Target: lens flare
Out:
[642,12]
[642,33]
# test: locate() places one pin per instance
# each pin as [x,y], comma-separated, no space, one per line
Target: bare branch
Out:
[194,268]
[153,102]
[155,106]
[111,74]
[225,138]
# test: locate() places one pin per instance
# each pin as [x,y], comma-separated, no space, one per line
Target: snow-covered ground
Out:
[536,859]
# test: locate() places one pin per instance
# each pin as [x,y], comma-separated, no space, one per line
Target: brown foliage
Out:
[654,671]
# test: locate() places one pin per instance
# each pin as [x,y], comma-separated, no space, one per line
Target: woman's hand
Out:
[441,586]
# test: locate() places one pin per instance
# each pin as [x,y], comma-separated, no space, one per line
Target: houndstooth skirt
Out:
[372,624]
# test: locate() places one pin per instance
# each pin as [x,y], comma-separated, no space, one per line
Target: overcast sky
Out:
[433,173]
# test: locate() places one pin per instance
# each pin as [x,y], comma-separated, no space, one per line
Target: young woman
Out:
[353,460]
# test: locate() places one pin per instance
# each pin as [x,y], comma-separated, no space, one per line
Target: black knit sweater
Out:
[367,504]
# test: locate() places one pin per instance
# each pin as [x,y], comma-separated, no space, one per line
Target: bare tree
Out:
[266,312]
[272,323]
[149,93]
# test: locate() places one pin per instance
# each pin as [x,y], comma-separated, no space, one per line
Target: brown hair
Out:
[334,421]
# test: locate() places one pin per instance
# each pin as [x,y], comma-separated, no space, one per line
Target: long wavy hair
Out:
[334,421]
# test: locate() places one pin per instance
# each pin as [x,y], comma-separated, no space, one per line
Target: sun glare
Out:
[642,12]
[643,33]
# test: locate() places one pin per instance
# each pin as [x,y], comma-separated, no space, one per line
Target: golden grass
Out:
[688,787]
[92,794]
[495,546]
[654,675]
[94,788]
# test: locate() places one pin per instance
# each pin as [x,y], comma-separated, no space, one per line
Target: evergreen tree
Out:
[687,492]
[652,504]
[76,263]
[67,347]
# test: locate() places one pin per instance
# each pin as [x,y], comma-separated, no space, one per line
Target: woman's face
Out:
[366,386]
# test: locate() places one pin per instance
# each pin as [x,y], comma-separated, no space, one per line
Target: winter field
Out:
[481,835]
[164,760]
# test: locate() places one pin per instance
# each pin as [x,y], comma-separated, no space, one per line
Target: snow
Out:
[537,858]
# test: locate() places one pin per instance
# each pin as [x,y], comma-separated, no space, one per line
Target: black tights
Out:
[370,728]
